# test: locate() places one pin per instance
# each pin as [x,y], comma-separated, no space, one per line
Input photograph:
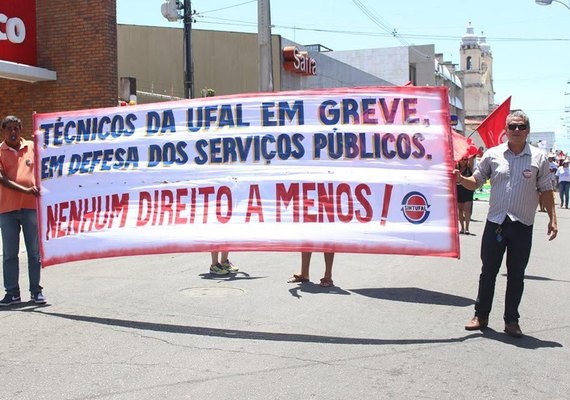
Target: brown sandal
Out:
[326,282]
[297,278]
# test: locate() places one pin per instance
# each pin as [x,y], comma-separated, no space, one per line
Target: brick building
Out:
[75,57]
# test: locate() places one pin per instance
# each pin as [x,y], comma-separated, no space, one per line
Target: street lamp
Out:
[174,10]
[549,2]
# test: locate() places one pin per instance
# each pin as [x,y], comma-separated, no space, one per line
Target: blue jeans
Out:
[564,188]
[516,239]
[10,224]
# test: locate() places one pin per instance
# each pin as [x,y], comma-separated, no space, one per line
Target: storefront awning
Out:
[26,73]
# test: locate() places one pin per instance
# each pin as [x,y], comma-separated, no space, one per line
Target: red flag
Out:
[462,147]
[492,128]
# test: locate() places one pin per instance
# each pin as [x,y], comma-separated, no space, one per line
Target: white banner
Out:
[363,170]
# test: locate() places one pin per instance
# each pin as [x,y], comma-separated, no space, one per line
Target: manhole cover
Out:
[212,291]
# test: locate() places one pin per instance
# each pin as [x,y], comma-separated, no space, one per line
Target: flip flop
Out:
[297,278]
[326,282]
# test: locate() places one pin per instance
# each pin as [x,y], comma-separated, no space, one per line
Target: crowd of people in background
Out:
[561,171]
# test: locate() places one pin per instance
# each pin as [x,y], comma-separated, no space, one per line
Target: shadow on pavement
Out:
[248,335]
[310,287]
[238,276]
[415,295]
[24,306]
[541,278]
[526,342]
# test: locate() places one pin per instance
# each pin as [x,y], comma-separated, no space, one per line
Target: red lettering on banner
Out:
[308,202]
[61,218]
[87,219]
[166,200]
[326,202]
[206,192]
[287,196]
[224,191]
[361,191]
[386,204]
[98,224]
[344,188]
[168,207]
[332,202]
[192,206]
[155,208]
[145,202]
[257,208]
[180,207]
[76,216]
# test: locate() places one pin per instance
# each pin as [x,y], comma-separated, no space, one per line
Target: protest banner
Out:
[363,170]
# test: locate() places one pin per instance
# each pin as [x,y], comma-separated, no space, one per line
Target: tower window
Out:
[469,63]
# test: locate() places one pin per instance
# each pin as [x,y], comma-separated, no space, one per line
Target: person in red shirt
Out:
[18,192]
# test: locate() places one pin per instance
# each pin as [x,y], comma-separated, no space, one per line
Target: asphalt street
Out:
[161,327]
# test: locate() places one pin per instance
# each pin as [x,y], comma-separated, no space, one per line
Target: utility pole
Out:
[171,11]
[264,45]
[188,64]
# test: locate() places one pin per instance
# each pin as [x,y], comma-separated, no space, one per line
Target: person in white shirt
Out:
[519,174]
[563,176]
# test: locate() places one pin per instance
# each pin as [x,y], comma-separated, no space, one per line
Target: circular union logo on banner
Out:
[415,208]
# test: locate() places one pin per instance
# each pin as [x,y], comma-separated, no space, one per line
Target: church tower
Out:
[476,73]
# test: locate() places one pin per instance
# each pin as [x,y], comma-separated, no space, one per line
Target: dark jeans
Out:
[516,239]
[564,188]
[10,224]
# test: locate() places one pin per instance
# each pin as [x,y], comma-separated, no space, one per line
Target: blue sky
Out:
[530,43]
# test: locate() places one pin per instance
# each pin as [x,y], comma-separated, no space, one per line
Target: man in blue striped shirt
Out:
[519,175]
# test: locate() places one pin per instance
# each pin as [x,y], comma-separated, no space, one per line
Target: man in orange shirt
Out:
[18,193]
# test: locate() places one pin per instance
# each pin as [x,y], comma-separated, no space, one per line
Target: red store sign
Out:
[18,31]
[298,61]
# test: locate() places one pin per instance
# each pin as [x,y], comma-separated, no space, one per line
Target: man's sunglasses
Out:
[521,127]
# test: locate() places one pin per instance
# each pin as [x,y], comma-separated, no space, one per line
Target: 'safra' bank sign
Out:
[18,31]
[298,61]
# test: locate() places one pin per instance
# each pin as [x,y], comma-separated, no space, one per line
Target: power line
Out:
[205,20]
[378,21]
[228,23]
[374,18]
[225,8]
